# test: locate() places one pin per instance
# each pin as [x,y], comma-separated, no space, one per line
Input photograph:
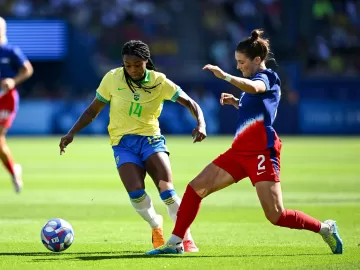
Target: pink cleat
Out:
[189,246]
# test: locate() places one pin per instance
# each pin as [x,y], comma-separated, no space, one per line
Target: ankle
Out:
[175,240]
[324,229]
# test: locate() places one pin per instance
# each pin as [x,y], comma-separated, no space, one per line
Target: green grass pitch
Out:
[320,176]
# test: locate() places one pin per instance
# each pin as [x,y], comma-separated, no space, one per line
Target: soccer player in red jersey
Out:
[255,151]
[14,69]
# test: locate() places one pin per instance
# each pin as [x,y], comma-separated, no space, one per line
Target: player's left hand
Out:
[199,134]
[218,72]
[7,84]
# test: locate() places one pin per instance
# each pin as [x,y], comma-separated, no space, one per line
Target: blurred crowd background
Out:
[315,44]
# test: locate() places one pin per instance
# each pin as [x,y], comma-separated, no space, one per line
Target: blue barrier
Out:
[33,117]
[329,117]
[309,117]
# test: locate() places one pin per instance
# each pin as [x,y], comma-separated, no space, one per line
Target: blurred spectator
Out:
[337,39]
[322,10]
[22,8]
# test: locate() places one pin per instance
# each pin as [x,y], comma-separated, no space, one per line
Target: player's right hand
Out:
[65,141]
[228,99]
[199,133]
[7,84]
[218,72]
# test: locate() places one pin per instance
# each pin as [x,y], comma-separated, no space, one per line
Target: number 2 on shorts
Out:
[261,167]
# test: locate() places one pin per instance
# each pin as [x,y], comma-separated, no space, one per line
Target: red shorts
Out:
[8,107]
[258,166]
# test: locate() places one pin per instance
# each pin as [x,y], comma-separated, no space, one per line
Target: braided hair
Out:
[141,50]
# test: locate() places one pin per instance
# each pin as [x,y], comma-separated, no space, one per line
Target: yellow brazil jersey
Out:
[135,113]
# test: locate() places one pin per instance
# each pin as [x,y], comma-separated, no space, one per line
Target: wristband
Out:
[228,78]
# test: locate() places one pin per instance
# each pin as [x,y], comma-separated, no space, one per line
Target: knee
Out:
[165,185]
[134,188]
[201,191]
[273,215]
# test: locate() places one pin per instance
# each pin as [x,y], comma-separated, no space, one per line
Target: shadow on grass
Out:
[137,255]
[48,254]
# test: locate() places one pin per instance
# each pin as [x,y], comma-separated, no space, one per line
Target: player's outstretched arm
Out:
[85,119]
[199,133]
[248,86]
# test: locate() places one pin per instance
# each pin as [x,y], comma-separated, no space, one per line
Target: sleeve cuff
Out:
[176,95]
[101,98]
[264,81]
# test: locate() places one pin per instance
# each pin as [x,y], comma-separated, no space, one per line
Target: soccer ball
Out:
[57,235]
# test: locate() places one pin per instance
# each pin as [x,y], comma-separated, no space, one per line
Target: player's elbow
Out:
[189,103]
[31,71]
[257,90]
[194,108]
[27,69]
[91,114]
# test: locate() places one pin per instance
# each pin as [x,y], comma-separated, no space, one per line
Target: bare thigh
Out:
[210,180]
[158,167]
[132,176]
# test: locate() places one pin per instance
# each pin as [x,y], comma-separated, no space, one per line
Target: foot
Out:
[333,238]
[167,249]
[158,234]
[189,246]
[17,178]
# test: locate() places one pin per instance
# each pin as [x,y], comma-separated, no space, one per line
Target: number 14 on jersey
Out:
[135,108]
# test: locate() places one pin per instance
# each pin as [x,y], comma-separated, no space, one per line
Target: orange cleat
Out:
[158,234]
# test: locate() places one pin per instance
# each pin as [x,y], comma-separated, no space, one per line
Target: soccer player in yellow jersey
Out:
[136,93]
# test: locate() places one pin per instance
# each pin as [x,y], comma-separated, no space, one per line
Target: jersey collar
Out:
[146,77]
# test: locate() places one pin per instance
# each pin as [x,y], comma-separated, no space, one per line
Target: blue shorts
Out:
[136,149]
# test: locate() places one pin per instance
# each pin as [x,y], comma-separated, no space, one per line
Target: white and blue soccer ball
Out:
[57,235]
